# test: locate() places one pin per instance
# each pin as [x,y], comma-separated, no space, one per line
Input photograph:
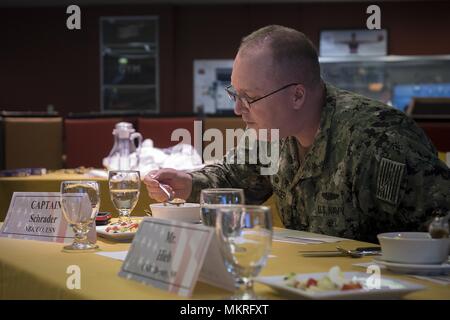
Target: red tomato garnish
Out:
[351,286]
[311,282]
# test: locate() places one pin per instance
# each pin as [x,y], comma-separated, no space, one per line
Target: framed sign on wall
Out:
[339,43]
[211,77]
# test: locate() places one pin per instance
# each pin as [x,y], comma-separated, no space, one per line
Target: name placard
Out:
[38,216]
[170,255]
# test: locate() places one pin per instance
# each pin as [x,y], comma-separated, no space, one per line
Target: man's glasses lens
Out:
[231,93]
[234,96]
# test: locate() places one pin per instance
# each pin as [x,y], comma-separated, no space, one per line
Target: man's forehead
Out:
[251,71]
[263,53]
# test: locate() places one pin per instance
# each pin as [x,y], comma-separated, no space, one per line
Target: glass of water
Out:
[124,188]
[80,201]
[245,239]
[212,199]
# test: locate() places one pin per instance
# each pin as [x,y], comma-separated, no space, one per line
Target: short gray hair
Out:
[291,50]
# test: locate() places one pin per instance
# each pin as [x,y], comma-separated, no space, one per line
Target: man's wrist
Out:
[198,183]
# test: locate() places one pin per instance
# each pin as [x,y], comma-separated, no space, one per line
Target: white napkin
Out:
[121,255]
[302,237]
[180,157]
[118,255]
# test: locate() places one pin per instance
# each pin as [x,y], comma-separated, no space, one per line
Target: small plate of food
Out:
[118,231]
[336,284]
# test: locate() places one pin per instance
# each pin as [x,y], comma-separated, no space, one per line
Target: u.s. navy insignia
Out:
[330,204]
[390,175]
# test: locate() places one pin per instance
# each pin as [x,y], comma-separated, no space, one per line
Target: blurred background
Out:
[160,65]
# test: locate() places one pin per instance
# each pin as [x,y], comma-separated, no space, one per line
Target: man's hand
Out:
[177,182]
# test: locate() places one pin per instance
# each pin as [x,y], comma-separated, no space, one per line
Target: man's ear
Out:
[299,96]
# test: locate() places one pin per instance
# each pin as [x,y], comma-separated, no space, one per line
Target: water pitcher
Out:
[124,154]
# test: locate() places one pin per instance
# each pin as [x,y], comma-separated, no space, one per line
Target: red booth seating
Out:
[438,132]
[222,124]
[160,129]
[33,142]
[88,141]
[433,116]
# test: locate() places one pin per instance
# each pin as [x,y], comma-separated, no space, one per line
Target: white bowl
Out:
[188,212]
[413,248]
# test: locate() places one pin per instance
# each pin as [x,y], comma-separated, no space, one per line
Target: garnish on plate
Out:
[122,227]
[334,280]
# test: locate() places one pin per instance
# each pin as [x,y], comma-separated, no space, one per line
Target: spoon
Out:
[349,253]
[171,196]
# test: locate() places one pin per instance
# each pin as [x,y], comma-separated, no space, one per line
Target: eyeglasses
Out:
[234,96]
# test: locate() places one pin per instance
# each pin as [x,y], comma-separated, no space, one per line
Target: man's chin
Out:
[263,134]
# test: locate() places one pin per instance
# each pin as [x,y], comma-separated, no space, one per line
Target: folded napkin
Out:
[118,255]
[302,237]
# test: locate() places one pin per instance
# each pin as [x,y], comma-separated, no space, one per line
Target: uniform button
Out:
[289,198]
[276,179]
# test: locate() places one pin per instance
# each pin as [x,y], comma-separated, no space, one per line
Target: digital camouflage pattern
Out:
[370,170]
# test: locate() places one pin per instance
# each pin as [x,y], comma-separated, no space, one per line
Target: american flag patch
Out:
[390,175]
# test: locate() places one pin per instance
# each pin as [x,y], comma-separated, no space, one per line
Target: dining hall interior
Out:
[95,90]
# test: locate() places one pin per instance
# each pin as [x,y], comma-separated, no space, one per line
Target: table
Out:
[37,270]
[51,183]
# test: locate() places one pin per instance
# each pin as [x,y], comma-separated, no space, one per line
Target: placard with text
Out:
[171,255]
[38,216]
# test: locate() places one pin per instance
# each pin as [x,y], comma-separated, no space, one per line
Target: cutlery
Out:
[353,254]
[301,238]
[171,197]
[359,252]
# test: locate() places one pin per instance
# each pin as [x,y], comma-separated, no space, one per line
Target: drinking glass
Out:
[124,188]
[212,199]
[80,201]
[245,239]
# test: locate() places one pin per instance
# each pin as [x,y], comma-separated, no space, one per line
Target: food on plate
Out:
[176,202]
[122,227]
[335,280]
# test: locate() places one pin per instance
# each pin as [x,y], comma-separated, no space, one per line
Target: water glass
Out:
[80,202]
[124,188]
[245,239]
[212,199]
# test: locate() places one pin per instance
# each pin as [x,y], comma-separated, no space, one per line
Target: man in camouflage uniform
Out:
[349,166]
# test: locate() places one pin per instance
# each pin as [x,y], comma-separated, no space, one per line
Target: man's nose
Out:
[239,108]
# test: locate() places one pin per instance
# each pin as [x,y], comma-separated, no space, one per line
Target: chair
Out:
[33,142]
[438,132]
[2,144]
[160,129]
[433,116]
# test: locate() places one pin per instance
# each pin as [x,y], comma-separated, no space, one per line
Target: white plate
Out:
[389,288]
[415,268]
[121,236]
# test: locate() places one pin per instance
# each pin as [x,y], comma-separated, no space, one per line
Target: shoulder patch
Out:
[390,175]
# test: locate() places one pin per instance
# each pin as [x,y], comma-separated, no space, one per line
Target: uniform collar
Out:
[315,158]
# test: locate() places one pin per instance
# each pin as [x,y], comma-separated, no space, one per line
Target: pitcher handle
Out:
[133,136]
[137,135]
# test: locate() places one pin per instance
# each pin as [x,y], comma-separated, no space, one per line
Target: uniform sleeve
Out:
[399,183]
[232,173]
